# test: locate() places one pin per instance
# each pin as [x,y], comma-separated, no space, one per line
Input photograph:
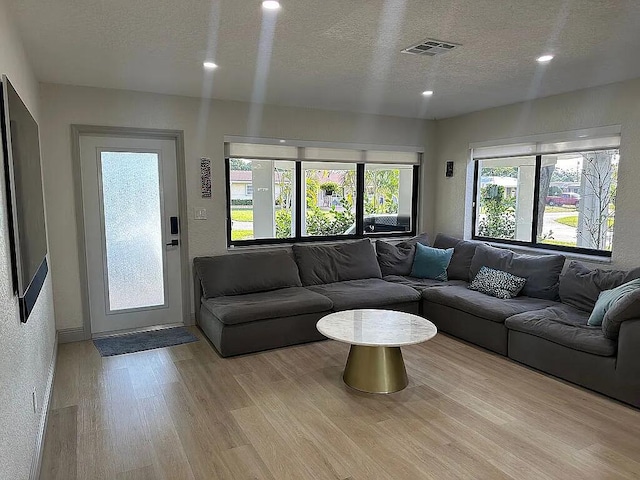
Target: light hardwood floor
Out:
[185,413]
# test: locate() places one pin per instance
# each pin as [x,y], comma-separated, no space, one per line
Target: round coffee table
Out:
[375,363]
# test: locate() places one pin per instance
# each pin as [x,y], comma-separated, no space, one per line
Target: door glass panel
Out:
[133,230]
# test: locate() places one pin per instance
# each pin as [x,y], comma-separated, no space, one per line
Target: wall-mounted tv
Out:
[25,203]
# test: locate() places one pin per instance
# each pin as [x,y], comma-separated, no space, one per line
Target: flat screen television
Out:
[25,202]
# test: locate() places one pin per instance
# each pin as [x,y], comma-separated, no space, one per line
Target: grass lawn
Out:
[239,215]
[241,234]
[572,221]
[557,209]
[559,242]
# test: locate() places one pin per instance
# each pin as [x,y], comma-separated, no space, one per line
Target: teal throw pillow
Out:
[607,298]
[431,262]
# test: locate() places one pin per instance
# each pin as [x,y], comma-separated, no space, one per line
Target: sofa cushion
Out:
[625,308]
[421,283]
[338,262]
[397,259]
[608,298]
[497,283]
[431,262]
[368,293]
[565,326]
[285,302]
[541,271]
[239,273]
[463,252]
[580,285]
[481,305]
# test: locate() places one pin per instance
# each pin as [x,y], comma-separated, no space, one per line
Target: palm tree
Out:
[385,185]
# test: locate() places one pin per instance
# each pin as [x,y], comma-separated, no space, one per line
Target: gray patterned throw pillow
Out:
[497,283]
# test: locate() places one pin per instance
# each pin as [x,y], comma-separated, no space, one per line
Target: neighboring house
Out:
[510,184]
[325,176]
[241,184]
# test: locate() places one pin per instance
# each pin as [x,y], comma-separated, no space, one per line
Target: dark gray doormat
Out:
[137,342]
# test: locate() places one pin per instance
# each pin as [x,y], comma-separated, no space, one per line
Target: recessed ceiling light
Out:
[427,93]
[283,141]
[271,5]
[544,58]
[209,65]
[582,136]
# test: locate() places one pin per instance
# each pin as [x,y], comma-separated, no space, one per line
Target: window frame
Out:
[534,223]
[300,196]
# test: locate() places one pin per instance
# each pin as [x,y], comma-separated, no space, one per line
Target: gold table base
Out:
[375,369]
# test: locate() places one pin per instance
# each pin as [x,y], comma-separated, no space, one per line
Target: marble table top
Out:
[376,328]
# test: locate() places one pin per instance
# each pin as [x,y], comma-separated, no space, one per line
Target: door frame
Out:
[77,131]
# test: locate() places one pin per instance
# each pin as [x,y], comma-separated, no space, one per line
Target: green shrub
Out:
[500,213]
[283,223]
[329,188]
[329,222]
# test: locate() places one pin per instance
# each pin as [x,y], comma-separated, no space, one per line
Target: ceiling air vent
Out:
[430,47]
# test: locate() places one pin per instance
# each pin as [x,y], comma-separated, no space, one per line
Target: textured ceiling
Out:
[335,54]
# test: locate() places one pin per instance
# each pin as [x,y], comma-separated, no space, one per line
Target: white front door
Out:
[130,201]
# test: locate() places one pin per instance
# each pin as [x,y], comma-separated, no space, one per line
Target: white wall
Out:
[204,124]
[615,104]
[25,349]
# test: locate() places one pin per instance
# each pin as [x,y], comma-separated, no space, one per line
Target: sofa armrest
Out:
[628,362]
[624,308]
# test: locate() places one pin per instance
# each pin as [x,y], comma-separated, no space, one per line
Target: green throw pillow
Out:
[607,298]
[431,262]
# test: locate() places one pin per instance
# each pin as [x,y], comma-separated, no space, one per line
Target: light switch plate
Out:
[201,214]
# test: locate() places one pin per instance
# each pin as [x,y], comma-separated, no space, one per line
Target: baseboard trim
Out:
[69,335]
[36,462]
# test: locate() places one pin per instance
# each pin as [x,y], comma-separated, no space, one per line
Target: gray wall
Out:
[615,104]
[205,124]
[25,349]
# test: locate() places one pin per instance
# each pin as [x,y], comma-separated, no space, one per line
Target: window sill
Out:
[372,238]
[262,246]
[545,251]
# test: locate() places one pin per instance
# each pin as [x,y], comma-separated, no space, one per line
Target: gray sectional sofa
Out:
[247,302]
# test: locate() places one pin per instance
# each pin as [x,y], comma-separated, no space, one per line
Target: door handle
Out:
[173,243]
